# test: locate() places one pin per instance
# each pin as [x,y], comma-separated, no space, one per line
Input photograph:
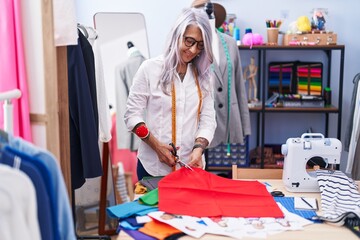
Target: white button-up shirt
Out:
[147,99]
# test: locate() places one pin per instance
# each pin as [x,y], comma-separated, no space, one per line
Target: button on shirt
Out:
[147,99]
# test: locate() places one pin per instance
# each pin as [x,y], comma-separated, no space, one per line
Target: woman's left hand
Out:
[196,158]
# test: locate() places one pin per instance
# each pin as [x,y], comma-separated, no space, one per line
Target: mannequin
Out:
[250,74]
[209,8]
[232,111]
[131,49]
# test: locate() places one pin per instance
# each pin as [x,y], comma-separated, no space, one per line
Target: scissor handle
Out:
[174,151]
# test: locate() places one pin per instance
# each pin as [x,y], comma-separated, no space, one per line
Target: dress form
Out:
[131,48]
[215,40]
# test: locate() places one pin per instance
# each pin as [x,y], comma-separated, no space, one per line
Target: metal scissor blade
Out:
[184,164]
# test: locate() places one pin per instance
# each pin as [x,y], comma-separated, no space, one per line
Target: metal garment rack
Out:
[7,97]
[8,108]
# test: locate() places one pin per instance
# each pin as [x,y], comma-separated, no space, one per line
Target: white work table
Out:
[314,231]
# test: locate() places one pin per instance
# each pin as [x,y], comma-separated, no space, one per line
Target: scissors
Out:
[182,163]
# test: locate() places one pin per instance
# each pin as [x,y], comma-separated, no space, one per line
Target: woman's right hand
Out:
[164,154]
[163,151]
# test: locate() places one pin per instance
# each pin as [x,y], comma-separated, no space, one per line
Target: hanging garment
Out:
[65,30]
[349,126]
[232,111]
[102,98]
[12,67]
[45,209]
[64,221]
[202,194]
[354,139]
[124,74]
[18,208]
[84,148]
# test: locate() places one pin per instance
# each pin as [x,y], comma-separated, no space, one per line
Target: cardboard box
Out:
[310,39]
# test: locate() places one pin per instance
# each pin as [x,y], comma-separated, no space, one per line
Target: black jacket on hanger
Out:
[84,148]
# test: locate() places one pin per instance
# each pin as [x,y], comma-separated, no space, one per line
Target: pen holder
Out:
[272,36]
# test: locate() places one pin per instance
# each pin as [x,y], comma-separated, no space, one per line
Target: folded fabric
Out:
[135,234]
[159,230]
[203,194]
[151,198]
[129,209]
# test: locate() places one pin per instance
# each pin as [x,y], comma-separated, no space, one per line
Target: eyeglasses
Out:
[189,42]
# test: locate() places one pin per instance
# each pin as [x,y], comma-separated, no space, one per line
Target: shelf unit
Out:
[263,52]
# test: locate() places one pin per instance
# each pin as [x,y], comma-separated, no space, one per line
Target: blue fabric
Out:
[45,216]
[65,222]
[126,225]
[130,209]
[133,222]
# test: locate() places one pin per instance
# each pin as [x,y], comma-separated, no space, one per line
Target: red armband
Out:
[142,131]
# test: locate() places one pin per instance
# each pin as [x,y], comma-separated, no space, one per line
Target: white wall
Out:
[34,55]
[160,15]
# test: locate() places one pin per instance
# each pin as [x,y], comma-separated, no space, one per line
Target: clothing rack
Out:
[8,107]
[91,35]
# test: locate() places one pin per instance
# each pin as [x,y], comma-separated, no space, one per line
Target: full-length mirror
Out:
[122,44]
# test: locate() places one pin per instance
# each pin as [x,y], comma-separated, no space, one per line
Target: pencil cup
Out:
[272,36]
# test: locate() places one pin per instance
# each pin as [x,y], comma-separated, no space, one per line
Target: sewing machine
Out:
[303,156]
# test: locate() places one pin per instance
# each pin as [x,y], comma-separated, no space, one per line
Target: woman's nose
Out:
[193,48]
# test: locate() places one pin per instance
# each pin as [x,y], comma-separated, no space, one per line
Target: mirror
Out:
[115,30]
[119,36]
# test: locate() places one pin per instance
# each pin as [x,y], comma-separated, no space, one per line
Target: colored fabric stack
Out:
[280,77]
[310,79]
[202,194]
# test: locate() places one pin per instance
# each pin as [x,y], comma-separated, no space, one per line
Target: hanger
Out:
[130,44]
[83,30]
[92,33]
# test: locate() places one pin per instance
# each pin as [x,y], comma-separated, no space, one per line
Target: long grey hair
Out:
[202,63]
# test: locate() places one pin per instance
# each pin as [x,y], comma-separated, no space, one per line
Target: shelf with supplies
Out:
[303,79]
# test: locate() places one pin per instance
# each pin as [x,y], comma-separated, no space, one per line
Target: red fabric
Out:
[202,194]
[125,156]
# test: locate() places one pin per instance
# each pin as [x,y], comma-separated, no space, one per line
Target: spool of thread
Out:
[248,30]
[236,35]
[327,96]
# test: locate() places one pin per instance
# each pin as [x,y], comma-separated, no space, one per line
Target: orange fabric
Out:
[202,194]
[158,229]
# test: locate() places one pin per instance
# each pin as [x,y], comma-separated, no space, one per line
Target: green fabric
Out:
[151,198]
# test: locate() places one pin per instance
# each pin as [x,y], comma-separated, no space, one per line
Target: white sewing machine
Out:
[302,156]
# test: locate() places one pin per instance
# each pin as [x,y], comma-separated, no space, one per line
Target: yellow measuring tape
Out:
[173,108]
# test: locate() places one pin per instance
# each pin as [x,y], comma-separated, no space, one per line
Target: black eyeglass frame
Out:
[199,44]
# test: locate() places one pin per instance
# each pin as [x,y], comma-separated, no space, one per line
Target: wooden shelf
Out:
[330,109]
[283,47]
[263,51]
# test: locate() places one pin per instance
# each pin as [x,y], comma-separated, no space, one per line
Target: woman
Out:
[171,99]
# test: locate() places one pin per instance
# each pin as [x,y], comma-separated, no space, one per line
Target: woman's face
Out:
[192,43]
